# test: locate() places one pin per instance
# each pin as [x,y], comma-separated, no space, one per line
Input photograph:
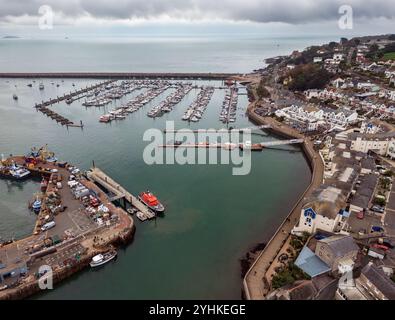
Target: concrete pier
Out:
[98,176]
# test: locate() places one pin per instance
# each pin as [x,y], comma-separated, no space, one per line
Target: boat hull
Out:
[108,258]
[158,209]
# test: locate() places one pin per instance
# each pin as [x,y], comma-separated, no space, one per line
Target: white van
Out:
[48,226]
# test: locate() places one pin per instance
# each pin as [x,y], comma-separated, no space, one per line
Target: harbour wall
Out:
[254,284]
[120,75]
[32,287]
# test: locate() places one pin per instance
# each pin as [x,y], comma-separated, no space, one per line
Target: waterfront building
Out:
[324,211]
[336,119]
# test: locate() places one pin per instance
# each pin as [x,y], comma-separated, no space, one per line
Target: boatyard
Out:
[76,222]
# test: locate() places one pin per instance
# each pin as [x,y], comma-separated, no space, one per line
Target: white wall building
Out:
[335,118]
[383,144]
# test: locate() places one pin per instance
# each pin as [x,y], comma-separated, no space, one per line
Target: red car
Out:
[360,215]
[380,246]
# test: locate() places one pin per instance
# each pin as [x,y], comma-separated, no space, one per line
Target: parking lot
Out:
[370,219]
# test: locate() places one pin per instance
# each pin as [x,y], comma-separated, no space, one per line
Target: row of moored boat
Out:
[134,104]
[168,104]
[196,110]
[229,106]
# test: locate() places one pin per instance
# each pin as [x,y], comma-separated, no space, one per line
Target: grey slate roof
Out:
[380,280]
[365,191]
[340,245]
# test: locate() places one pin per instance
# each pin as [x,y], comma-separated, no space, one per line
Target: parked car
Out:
[380,246]
[377,208]
[48,226]
[376,229]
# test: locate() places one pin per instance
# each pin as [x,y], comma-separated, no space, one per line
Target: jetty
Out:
[119,192]
[231,146]
[230,129]
[69,97]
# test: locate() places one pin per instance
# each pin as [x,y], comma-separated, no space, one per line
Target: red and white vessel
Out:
[151,202]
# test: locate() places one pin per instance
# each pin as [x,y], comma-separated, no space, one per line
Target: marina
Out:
[106,93]
[190,223]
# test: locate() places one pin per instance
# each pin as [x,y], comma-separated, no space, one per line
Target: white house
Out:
[312,93]
[335,118]
[317,59]
[323,213]
[338,57]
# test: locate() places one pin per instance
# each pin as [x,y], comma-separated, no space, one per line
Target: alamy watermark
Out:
[346,19]
[203,146]
[45,281]
[45,19]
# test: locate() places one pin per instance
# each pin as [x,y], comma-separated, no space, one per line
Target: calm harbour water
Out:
[212,217]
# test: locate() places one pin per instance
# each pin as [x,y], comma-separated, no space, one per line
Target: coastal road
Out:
[254,281]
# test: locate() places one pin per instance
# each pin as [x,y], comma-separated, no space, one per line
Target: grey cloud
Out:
[288,11]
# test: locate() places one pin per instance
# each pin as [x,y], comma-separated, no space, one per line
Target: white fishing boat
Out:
[19,173]
[103,258]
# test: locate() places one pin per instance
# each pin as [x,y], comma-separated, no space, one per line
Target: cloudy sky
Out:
[372,16]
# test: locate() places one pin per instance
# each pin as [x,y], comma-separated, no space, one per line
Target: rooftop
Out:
[310,263]
[340,244]
[380,280]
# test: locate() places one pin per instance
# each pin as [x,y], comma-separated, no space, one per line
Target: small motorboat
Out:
[36,206]
[102,258]
[141,216]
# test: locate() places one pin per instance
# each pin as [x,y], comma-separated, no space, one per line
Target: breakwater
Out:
[121,75]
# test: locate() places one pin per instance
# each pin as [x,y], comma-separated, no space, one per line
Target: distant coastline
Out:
[10,37]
